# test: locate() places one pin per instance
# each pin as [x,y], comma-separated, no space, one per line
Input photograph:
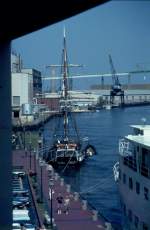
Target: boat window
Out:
[146,193]
[144,156]
[137,187]
[124,178]
[130,215]
[136,221]
[138,132]
[130,183]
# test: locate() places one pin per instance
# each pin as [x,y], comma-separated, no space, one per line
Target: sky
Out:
[119,28]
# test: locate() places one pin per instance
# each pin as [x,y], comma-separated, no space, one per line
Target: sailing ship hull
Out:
[66,154]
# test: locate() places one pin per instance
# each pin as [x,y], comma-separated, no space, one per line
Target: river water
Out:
[94,180]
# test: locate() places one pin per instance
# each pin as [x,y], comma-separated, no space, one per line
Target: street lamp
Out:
[35,156]
[24,138]
[41,163]
[51,183]
[30,150]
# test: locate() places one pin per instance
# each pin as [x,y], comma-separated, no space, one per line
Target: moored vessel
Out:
[132,174]
[67,147]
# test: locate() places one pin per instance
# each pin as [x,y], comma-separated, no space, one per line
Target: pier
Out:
[45,186]
[35,124]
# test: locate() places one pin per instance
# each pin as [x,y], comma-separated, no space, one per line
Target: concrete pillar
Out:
[108,226]
[56,176]
[62,182]
[5,138]
[84,204]
[95,215]
[76,196]
[68,188]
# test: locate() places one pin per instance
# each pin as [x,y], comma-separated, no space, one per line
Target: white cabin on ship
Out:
[134,178]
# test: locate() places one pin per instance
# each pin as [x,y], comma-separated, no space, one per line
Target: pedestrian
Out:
[59,203]
[66,204]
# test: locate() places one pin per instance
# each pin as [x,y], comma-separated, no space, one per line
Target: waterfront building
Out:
[26,84]
[37,80]
[79,100]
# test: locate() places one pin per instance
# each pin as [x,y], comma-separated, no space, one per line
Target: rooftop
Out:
[141,140]
[141,127]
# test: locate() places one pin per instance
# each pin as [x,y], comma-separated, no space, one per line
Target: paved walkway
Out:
[80,217]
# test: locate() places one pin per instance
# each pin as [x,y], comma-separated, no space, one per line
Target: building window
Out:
[130,215]
[136,221]
[16,100]
[137,187]
[130,183]
[124,178]
[145,226]
[146,193]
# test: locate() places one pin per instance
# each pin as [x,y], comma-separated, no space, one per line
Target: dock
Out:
[35,124]
[48,185]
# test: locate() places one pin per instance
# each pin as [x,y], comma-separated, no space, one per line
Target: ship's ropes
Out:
[67,163]
[99,184]
[72,116]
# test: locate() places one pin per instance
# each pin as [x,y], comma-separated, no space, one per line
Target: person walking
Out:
[59,203]
[66,204]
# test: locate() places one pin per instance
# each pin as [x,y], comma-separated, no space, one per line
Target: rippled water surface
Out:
[94,180]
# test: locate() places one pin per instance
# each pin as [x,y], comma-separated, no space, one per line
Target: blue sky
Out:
[120,28]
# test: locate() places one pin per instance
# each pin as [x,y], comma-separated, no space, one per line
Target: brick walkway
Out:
[80,217]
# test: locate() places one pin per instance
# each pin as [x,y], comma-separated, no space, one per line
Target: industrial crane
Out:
[116,89]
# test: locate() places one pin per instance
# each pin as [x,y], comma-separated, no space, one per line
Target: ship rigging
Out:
[67,148]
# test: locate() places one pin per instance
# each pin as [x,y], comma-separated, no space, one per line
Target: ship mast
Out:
[65,87]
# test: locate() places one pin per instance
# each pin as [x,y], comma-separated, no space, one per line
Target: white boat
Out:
[108,106]
[134,178]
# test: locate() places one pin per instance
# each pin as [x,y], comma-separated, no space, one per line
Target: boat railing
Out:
[145,170]
[125,148]
[116,171]
[130,162]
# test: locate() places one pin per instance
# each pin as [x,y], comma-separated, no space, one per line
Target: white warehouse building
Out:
[25,84]
[22,89]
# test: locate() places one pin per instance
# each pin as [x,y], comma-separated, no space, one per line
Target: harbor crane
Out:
[116,89]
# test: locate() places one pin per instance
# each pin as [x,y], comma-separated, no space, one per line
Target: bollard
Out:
[68,188]
[108,226]
[95,215]
[42,227]
[62,182]
[84,205]
[54,224]
[76,196]
[56,176]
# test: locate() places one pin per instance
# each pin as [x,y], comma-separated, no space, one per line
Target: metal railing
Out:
[125,148]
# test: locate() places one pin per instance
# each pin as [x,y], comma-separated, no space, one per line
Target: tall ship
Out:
[132,174]
[67,146]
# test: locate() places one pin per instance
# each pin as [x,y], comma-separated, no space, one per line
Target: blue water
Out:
[94,180]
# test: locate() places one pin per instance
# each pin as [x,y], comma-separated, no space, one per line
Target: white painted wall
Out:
[22,86]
